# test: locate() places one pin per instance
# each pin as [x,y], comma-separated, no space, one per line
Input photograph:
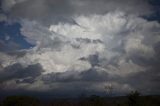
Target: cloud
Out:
[8,46]
[40,10]
[54,11]
[103,6]
[59,61]
[8,4]
[18,71]
[92,44]
[146,82]
[3,17]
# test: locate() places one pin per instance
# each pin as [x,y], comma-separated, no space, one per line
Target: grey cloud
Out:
[17,53]
[141,60]
[87,40]
[17,71]
[93,59]
[53,11]
[146,82]
[3,17]
[88,82]
[138,7]
[25,80]
[60,77]
[81,41]
[92,75]
[49,11]
[9,46]
[157,50]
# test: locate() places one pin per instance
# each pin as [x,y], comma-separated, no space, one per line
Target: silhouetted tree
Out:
[134,98]
[20,101]
[109,89]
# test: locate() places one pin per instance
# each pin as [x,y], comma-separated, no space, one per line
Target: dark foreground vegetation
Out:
[133,99]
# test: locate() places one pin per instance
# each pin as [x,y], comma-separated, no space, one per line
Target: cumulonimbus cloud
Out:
[110,42]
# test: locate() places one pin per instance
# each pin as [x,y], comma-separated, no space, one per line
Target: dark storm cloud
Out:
[54,11]
[26,80]
[146,82]
[157,50]
[93,59]
[49,11]
[103,6]
[60,77]
[17,71]
[94,75]
[91,75]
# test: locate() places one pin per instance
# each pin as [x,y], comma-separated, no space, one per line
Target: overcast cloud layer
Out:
[82,46]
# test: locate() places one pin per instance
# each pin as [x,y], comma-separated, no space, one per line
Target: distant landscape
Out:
[132,99]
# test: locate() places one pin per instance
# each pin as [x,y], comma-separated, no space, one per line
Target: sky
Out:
[71,47]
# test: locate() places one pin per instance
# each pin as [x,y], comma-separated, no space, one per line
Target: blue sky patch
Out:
[11,33]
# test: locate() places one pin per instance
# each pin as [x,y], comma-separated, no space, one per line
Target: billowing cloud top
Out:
[80,46]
